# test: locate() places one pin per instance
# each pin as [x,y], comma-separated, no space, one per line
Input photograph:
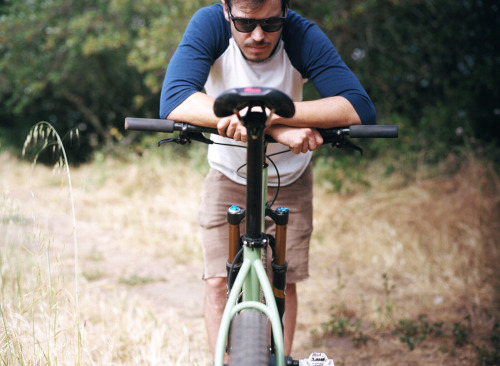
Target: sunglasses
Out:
[247,25]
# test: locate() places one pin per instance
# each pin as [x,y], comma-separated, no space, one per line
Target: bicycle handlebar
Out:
[329,135]
[163,125]
[362,131]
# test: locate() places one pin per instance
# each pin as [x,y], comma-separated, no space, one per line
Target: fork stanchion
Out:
[235,215]
[278,264]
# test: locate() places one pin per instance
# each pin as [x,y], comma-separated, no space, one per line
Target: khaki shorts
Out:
[220,193]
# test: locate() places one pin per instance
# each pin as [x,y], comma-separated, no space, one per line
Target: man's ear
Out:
[224,6]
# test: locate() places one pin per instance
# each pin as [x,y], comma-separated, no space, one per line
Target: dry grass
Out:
[129,227]
[436,242]
[429,248]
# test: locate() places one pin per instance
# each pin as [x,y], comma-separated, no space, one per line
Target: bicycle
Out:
[252,300]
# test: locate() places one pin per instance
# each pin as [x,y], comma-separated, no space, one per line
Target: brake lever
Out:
[186,137]
[198,136]
[342,143]
[164,141]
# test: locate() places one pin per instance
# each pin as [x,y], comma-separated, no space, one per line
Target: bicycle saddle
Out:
[236,99]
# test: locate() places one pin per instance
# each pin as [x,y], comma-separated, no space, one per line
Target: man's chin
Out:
[256,57]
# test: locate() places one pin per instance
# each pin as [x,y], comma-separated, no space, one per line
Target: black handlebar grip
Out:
[149,124]
[367,131]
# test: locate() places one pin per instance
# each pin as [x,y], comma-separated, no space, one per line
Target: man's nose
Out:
[258,34]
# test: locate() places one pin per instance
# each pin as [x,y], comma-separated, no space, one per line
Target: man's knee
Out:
[216,283]
[216,290]
[291,289]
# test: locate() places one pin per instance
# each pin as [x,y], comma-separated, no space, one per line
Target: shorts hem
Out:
[206,277]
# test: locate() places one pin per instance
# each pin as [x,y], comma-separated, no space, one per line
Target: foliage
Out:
[430,65]
[412,332]
[461,331]
[434,62]
[341,323]
[487,355]
[85,64]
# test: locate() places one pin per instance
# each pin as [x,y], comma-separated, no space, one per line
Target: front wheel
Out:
[249,339]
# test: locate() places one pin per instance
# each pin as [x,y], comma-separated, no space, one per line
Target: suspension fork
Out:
[235,216]
[254,240]
[279,264]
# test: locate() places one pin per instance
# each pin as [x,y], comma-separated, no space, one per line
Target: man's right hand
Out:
[299,140]
[231,127]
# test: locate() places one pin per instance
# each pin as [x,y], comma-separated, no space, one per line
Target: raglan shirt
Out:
[209,59]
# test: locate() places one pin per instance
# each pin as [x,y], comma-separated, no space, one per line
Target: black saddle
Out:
[234,100]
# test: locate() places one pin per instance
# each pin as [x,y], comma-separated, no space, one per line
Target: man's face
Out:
[256,45]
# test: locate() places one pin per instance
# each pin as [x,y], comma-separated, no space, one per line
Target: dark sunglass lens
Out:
[273,21]
[245,26]
[272,25]
[248,25]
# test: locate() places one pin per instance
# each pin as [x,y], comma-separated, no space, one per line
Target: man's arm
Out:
[321,113]
[205,38]
[344,101]
[299,132]
[197,109]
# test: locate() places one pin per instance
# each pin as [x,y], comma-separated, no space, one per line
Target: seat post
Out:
[255,124]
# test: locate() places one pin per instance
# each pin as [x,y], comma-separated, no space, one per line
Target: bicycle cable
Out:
[268,157]
[231,270]
[278,177]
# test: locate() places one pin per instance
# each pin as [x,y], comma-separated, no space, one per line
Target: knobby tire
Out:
[249,339]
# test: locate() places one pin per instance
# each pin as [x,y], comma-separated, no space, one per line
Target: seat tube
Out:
[254,185]
[264,196]
[254,122]
[263,206]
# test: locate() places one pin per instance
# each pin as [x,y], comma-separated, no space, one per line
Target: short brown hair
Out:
[256,3]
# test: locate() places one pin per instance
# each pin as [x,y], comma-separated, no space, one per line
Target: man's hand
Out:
[231,127]
[299,140]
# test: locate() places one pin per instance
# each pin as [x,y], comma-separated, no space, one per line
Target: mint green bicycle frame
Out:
[252,278]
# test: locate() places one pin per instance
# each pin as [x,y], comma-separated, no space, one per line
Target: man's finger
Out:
[221,126]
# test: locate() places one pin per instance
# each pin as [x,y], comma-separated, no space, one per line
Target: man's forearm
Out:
[322,113]
[197,109]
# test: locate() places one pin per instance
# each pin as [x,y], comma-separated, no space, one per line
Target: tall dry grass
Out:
[119,217]
[435,240]
[430,247]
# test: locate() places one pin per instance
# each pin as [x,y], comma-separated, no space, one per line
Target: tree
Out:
[432,63]
[435,62]
[85,64]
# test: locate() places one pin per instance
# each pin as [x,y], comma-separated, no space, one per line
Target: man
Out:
[242,43]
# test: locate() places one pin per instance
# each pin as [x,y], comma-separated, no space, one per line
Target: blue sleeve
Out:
[315,57]
[205,39]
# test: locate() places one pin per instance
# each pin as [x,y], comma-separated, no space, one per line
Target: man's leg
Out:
[291,305]
[215,301]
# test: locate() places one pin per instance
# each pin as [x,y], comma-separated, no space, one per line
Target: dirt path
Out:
[137,235]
